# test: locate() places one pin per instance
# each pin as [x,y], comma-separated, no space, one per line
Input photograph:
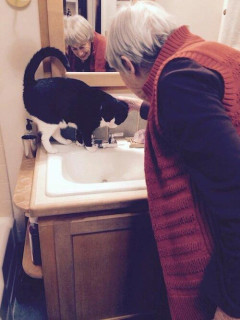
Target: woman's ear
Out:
[128,65]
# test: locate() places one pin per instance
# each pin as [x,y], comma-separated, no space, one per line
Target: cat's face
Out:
[114,112]
[110,124]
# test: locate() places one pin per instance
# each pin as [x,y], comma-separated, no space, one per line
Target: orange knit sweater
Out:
[98,60]
[183,239]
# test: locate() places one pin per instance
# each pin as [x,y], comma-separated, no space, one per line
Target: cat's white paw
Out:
[79,144]
[52,150]
[93,148]
[66,141]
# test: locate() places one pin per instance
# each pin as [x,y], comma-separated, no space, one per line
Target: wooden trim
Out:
[44,34]
[55,24]
[56,35]
[43,22]
[107,223]
[98,79]
[47,244]
[65,263]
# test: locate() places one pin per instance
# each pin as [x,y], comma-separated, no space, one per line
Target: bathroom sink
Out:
[74,170]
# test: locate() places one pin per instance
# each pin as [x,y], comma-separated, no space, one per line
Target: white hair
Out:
[138,32]
[77,30]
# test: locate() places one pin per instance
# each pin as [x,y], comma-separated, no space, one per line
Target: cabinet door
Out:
[107,267]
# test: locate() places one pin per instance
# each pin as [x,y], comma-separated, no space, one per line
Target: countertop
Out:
[30,194]
[22,192]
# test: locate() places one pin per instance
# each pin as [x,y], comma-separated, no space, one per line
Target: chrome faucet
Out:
[112,137]
[111,141]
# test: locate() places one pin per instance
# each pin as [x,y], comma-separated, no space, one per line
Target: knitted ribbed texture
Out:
[98,60]
[183,239]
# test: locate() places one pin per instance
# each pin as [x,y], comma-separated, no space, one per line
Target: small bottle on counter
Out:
[29,141]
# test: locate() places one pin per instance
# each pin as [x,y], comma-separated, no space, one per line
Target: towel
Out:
[230,25]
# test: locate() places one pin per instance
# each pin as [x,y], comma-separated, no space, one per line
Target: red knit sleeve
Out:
[98,61]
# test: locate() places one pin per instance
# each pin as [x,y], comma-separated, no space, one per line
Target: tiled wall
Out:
[132,124]
[5,198]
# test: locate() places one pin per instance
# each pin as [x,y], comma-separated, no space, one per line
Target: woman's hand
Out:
[220,315]
[134,104]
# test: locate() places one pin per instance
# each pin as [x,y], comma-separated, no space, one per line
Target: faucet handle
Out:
[112,136]
[117,134]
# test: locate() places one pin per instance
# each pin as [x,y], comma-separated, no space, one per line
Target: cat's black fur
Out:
[58,102]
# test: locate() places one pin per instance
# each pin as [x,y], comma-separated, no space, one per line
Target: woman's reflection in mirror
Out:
[85,48]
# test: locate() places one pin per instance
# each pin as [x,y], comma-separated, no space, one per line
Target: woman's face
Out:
[135,83]
[82,51]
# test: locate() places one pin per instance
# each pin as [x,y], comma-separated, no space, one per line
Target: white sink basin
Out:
[74,170]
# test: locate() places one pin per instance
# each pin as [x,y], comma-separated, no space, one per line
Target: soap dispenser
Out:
[29,126]
[29,140]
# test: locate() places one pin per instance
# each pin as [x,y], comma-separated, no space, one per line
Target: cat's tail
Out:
[38,58]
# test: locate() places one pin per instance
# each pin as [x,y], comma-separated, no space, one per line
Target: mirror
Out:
[97,12]
[85,35]
[51,28]
[84,20]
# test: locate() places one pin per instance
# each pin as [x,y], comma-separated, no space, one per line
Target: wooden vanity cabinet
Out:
[102,266]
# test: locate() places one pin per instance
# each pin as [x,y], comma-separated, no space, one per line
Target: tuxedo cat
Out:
[55,103]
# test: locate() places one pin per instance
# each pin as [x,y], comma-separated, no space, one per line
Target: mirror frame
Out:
[51,31]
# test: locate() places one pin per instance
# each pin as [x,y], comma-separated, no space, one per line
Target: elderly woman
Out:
[85,47]
[192,155]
